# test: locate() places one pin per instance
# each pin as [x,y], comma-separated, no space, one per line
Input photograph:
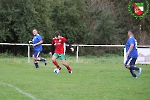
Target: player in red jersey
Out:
[58,49]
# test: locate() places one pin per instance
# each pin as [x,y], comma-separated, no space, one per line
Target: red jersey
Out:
[59,45]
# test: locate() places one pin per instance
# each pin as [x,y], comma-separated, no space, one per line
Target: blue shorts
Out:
[36,54]
[130,61]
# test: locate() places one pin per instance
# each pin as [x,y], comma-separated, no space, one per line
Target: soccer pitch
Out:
[93,78]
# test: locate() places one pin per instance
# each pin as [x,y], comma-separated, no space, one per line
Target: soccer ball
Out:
[56,71]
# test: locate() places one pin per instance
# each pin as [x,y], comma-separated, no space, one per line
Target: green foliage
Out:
[106,27]
[6,55]
[80,21]
[67,18]
[100,51]
[18,18]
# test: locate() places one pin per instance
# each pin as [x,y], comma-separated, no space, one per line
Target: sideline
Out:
[19,90]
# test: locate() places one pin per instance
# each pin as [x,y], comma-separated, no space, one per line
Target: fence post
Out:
[77,53]
[28,53]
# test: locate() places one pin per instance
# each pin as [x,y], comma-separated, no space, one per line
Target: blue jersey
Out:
[37,38]
[133,53]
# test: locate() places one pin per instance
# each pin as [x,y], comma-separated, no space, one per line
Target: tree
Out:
[19,17]
[102,22]
[67,17]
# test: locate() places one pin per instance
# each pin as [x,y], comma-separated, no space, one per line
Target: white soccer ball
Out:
[56,71]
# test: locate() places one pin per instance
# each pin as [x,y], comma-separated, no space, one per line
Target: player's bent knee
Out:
[53,60]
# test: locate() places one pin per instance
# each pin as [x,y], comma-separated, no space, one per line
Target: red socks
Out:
[68,67]
[56,64]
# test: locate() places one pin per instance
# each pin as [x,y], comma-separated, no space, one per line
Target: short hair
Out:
[35,29]
[57,33]
[131,31]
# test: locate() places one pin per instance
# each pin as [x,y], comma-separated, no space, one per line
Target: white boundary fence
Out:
[75,45]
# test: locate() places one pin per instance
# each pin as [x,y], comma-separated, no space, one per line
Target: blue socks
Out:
[42,60]
[36,65]
[132,68]
[132,72]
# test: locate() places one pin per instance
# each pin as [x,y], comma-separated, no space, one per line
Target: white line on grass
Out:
[19,90]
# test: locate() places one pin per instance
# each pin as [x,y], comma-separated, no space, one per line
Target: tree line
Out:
[80,21]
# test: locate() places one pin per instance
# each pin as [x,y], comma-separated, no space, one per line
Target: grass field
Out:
[93,78]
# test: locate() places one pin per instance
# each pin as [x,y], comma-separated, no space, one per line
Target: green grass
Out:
[93,78]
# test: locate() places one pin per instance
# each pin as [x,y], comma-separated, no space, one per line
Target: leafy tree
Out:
[67,17]
[19,17]
[102,23]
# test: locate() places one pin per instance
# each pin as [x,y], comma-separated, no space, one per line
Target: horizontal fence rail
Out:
[81,45]
[74,45]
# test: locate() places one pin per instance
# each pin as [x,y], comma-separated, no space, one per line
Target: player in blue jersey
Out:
[37,48]
[132,54]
